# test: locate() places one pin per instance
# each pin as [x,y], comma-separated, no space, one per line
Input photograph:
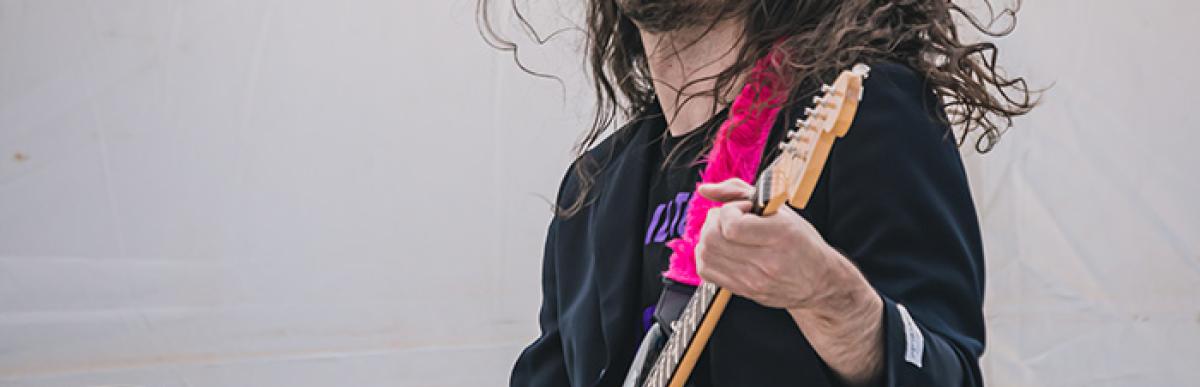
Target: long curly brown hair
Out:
[816,39]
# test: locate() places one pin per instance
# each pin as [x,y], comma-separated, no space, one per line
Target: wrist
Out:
[846,293]
[845,324]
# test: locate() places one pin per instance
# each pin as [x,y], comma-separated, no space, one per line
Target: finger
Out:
[732,266]
[712,240]
[787,217]
[719,272]
[715,267]
[712,246]
[753,230]
[726,191]
[712,275]
[742,206]
[738,226]
[712,224]
[713,231]
[785,220]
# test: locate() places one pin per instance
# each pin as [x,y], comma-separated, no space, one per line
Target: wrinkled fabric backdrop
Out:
[328,193]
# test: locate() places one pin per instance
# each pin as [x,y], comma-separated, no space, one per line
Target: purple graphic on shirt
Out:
[669,219]
[681,202]
[654,222]
[648,318]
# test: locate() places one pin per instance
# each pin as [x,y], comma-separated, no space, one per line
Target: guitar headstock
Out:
[792,176]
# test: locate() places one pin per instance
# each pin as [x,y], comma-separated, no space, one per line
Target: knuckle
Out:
[800,226]
[772,237]
[703,270]
[706,229]
[707,251]
[733,231]
[714,214]
[790,227]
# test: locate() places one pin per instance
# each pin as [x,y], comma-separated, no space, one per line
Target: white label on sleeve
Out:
[915,347]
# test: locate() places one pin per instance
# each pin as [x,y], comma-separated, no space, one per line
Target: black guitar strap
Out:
[671,302]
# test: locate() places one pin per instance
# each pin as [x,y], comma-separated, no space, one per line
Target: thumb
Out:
[726,191]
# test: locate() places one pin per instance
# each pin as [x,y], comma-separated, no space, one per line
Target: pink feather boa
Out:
[736,152]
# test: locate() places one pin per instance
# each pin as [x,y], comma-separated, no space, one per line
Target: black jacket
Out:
[893,198]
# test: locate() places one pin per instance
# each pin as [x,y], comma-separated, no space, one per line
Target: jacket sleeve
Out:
[901,209]
[542,362]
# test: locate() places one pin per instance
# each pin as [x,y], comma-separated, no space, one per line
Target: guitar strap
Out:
[737,152]
[671,302]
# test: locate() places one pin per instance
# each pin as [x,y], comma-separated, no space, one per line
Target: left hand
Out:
[779,261]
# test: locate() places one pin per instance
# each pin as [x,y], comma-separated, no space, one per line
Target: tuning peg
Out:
[826,88]
[861,70]
[821,101]
[809,111]
[792,134]
[801,123]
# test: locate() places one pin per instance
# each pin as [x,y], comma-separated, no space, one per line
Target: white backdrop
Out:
[320,193]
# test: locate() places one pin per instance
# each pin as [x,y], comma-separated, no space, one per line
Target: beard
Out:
[673,15]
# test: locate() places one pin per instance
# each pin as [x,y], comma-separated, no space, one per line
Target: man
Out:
[879,281]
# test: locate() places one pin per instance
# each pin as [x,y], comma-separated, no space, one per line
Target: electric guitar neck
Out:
[789,179]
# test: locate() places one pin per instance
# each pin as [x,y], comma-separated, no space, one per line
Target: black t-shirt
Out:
[676,168]
[675,164]
[894,175]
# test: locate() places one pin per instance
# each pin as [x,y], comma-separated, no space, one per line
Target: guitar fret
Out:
[685,329]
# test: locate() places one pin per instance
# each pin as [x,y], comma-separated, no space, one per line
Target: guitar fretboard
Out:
[684,331]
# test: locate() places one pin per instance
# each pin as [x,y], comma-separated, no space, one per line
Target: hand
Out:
[781,261]
[778,261]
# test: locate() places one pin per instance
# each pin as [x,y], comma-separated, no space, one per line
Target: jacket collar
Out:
[617,218]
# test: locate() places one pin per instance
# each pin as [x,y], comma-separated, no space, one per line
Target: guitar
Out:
[790,178]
